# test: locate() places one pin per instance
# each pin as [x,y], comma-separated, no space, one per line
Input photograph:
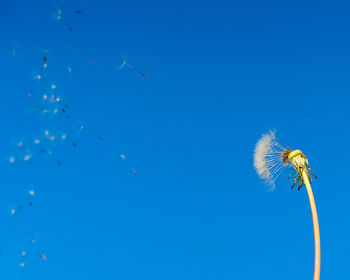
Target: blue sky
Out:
[219,74]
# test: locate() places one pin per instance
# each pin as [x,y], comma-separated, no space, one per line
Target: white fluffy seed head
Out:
[268,159]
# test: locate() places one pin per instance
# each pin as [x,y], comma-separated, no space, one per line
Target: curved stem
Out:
[316,226]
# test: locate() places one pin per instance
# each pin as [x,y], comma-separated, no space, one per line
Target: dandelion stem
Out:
[317,268]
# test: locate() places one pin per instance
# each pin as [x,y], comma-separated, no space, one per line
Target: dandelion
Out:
[270,159]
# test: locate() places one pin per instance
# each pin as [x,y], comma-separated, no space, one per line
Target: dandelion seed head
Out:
[268,160]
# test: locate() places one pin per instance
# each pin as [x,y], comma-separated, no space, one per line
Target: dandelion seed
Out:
[43,257]
[37,141]
[27,157]
[268,159]
[23,253]
[53,86]
[20,144]
[22,264]
[122,156]
[64,137]
[47,132]
[12,160]
[45,96]
[13,211]
[31,192]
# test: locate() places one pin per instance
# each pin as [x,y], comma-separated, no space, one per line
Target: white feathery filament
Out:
[268,159]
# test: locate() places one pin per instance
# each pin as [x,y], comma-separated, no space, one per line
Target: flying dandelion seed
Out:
[38,77]
[270,159]
[31,192]
[122,156]
[12,160]
[125,64]
[27,157]
[44,258]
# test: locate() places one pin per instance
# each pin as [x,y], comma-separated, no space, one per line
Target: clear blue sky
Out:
[219,74]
